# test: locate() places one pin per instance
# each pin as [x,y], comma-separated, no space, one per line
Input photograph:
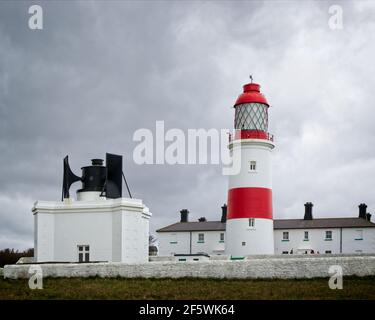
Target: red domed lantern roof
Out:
[251,94]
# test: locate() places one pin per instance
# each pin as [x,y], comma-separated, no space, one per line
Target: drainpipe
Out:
[190,242]
[340,240]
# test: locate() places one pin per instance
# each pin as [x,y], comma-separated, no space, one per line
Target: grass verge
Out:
[224,289]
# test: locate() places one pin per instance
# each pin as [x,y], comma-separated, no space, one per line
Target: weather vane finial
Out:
[251,78]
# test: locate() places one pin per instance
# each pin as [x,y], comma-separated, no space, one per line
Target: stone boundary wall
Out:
[289,268]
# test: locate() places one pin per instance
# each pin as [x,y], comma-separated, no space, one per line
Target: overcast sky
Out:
[100,70]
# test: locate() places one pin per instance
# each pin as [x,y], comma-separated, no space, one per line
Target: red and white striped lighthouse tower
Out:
[249,227]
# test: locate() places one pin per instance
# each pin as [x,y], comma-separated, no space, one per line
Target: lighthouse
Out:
[249,227]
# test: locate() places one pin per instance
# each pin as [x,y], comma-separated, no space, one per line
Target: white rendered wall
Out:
[116,230]
[258,240]
[135,237]
[317,241]
[351,244]
[262,176]
[211,243]
[44,237]
[117,240]
[73,229]
[171,243]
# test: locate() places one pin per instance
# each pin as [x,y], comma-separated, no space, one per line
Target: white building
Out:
[93,227]
[291,236]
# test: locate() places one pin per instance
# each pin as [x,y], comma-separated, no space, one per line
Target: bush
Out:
[11,256]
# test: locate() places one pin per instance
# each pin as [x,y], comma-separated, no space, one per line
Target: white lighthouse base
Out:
[243,240]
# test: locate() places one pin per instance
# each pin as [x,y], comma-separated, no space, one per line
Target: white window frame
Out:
[251,223]
[286,233]
[327,233]
[252,166]
[304,235]
[200,237]
[84,250]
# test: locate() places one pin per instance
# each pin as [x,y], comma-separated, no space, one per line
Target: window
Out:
[200,237]
[252,165]
[222,237]
[285,236]
[328,252]
[328,235]
[173,238]
[285,252]
[251,222]
[83,253]
[243,243]
[359,235]
[306,236]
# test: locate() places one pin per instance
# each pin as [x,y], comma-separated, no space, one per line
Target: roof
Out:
[322,223]
[194,226]
[277,224]
[251,94]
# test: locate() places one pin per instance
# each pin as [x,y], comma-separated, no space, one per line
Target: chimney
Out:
[362,210]
[368,216]
[202,219]
[308,211]
[224,213]
[184,215]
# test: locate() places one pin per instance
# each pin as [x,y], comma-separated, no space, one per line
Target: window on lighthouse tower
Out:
[252,165]
[251,223]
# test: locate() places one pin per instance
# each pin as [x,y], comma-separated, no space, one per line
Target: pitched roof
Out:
[194,226]
[277,224]
[322,223]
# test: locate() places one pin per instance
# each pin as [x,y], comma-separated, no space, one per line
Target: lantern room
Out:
[251,113]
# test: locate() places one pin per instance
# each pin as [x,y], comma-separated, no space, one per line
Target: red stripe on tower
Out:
[250,203]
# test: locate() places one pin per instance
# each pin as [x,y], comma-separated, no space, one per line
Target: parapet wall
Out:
[281,268]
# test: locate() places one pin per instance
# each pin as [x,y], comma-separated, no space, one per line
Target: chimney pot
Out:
[308,211]
[224,213]
[362,210]
[184,215]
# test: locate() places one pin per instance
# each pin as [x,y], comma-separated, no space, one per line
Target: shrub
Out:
[11,256]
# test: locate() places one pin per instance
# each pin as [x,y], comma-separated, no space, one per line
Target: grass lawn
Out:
[98,288]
